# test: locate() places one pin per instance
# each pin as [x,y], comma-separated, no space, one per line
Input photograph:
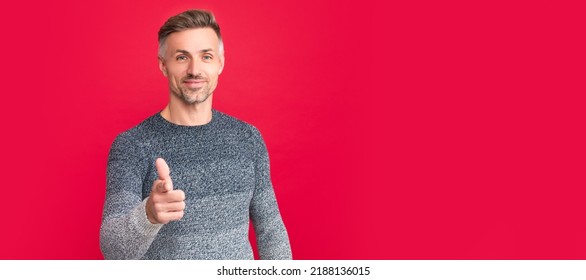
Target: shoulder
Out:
[233,125]
[136,135]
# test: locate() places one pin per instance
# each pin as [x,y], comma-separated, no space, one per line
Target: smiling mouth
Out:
[194,83]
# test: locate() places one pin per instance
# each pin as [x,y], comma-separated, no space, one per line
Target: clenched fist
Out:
[164,204]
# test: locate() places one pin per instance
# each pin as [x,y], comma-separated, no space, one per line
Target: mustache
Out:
[193,77]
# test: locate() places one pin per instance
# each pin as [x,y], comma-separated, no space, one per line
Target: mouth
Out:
[194,83]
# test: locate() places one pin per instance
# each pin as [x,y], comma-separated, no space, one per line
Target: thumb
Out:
[162,169]
[162,186]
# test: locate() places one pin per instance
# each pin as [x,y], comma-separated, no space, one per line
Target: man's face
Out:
[192,63]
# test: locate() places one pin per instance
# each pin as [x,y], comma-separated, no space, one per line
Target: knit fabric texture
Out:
[223,168]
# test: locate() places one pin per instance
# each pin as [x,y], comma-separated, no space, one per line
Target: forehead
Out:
[193,39]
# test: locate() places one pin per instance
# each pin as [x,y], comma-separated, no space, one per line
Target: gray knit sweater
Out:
[222,167]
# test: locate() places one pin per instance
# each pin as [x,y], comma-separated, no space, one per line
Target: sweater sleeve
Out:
[126,232]
[271,236]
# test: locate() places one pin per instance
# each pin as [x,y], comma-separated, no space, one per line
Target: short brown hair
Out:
[188,20]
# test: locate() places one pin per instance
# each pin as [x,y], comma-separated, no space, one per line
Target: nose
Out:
[194,68]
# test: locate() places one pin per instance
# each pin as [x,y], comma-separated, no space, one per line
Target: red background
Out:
[401,130]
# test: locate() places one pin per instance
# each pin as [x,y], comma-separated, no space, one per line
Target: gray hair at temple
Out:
[188,20]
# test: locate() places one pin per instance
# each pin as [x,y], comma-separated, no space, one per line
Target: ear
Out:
[222,60]
[162,66]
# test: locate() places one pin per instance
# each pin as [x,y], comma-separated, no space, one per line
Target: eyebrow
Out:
[188,53]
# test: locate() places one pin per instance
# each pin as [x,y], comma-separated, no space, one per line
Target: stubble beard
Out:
[194,96]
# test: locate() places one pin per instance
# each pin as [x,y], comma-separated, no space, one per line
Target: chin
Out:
[195,100]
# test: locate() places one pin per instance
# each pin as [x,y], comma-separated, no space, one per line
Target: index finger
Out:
[162,169]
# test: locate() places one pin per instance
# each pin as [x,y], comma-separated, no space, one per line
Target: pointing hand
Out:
[164,203]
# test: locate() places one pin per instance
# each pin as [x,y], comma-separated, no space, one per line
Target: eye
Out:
[181,58]
[207,57]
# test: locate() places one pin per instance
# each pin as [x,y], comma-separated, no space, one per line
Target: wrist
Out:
[149,214]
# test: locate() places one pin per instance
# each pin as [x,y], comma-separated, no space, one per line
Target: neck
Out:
[180,113]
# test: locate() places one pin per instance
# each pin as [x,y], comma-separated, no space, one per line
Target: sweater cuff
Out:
[142,223]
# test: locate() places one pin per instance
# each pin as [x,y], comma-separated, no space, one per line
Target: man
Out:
[185,183]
